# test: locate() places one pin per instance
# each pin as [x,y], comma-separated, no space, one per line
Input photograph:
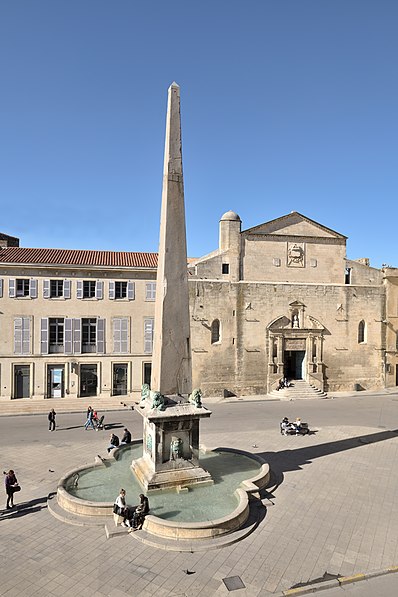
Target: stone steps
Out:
[31,406]
[299,390]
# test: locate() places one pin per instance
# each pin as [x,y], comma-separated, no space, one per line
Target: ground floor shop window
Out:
[88,380]
[119,379]
[55,381]
[21,381]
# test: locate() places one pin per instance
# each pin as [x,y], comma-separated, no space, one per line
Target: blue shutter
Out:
[111,289]
[130,290]
[77,336]
[79,291]
[46,288]
[11,287]
[44,335]
[99,290]
[68,335]
[33,288]
[67,284]
[101,335]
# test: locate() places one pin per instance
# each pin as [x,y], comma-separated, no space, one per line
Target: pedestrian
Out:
[140,512]
[51,420]
[89,421]
[113,442]
[126,439]
[11,486]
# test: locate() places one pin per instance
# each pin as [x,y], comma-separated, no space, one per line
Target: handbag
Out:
[117,509]
[16,488]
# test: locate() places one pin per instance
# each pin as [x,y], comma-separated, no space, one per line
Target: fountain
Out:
[169,463]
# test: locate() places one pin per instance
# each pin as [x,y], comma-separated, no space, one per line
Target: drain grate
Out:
[234,582]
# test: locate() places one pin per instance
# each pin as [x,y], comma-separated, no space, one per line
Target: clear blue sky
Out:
[286,105]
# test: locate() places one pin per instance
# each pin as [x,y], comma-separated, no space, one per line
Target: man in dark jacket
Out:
[126,439]
[113,442]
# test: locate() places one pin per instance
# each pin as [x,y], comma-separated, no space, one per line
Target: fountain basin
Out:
[199,514]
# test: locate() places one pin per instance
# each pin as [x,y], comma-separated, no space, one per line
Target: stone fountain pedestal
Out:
[171,445]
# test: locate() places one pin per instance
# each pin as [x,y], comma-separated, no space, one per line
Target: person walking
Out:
[89,421]
[11,486]
[51,420]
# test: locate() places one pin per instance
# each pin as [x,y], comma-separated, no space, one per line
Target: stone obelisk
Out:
[171,360]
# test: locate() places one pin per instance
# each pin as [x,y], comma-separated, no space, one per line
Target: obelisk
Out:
[171,359]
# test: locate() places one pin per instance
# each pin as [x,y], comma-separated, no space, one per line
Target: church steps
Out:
[299,390]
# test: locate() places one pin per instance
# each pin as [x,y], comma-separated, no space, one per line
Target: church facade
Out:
[277,300]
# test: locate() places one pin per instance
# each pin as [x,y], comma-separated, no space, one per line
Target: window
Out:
[22,335]
[148,335]
[120,335]
[56,334]
[89,335]
[120,290]
[23,287]
[147,373]
[215,331]
[89,288]
[361,332]
[56,288]
[347,275]
[225,268]
[150,291]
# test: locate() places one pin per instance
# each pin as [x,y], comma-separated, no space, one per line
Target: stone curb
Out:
[338,582]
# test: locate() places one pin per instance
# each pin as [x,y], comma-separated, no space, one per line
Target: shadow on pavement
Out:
[25,508]
[294,460]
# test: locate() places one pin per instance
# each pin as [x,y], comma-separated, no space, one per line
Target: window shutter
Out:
[33,288]
[111,289]
[99,290]
[79,292]
[18,335]
[46,288]
[44,335]
[77,336]
[117,335]
[131,291]
[11,287]
[124,335]
[67,289]
[25,335]
[148,335]
[101,335]
[1,288]
[68,335]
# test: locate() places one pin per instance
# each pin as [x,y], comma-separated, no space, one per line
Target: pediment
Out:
[294,224]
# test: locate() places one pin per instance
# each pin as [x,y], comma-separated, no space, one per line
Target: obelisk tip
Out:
[174,85]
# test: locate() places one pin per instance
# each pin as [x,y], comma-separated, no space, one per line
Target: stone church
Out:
[281,299]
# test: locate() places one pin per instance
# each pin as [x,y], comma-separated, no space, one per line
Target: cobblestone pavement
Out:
[333,505]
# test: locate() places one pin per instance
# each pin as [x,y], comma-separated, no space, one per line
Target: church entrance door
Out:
[294,364]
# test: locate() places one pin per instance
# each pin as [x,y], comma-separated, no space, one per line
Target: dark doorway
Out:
[88,380]
[22,381]
[294,361]
[120,379]
[147,373]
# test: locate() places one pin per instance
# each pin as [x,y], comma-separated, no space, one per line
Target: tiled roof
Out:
[74,257]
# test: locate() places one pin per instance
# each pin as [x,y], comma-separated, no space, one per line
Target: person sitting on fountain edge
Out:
[126,439]
[140,512]
[113,442]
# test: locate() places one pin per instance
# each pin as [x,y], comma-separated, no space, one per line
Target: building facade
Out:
[277,300]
